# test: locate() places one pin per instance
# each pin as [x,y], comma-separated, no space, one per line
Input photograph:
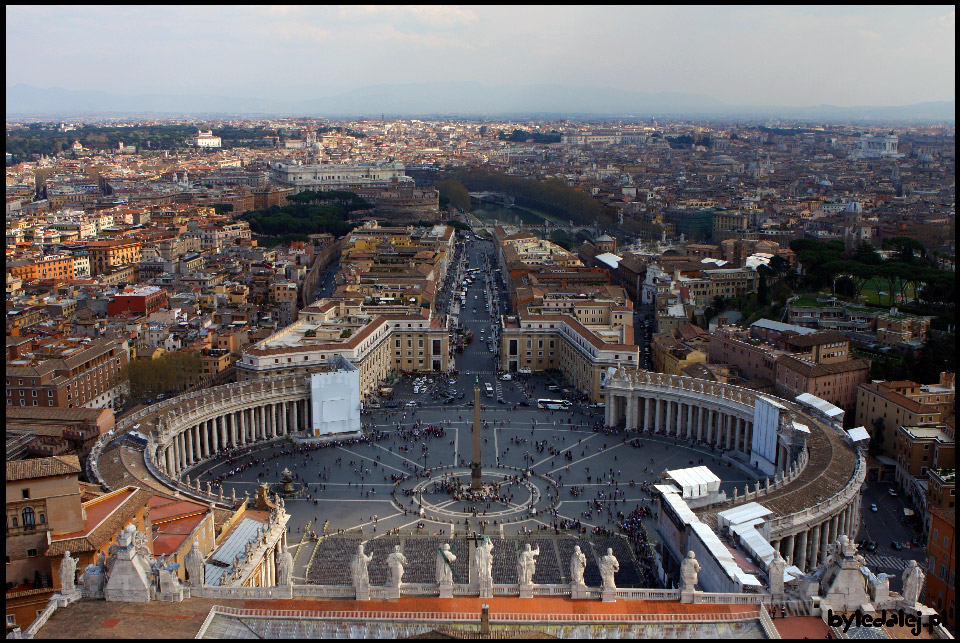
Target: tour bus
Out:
[553,405]
[488,389]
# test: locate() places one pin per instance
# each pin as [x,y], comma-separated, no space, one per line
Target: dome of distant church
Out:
[925,158]
[854,207]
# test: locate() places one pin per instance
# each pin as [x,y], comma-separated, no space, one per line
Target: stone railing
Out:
[779,482]
[783,526]
[126,423]
[768,627]
[736,395]
[729,598]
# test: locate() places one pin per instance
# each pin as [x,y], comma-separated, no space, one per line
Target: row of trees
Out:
[299,219]
[552,195]
[454,192]
[523,136]
[169,374]
[350,201]
[826,265]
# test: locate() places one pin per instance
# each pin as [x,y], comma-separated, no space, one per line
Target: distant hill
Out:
[463,98]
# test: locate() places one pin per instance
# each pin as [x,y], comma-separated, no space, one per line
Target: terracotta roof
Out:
[105,531]
[57,465]
[808,370]
[816,339]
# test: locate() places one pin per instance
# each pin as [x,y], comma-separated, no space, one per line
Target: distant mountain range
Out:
[453,98]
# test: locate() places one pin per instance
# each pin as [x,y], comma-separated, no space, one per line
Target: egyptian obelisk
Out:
[475,484]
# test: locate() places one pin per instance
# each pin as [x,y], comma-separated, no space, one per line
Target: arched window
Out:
[27,515]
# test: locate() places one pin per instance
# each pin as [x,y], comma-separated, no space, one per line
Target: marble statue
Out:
[285,568]
[361,580]
[689,569]
[395,562]
[194,564]
[445,560]
[527,564]
[483,562]
[609,565]
[578,563]
[775,570]
[93,581]
[68,573]
[912,582]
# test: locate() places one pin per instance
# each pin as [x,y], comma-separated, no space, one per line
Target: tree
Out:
[906,247]
[763,296]
[867,254]
[456,193]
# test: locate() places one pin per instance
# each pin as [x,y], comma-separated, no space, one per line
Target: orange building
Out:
[111,253]
[941,565]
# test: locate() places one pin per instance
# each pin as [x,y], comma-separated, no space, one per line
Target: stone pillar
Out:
[195,453]
[832,530]
[727,422]
[631,422]
[738,426]
[801,562]
[646,412]
[217,425]
[788,549]
[680,415]
[190,444]
[168,457]
[690,408]
[608,410]
[205,429]
[699,423]
[296,416]
[824,541]
[656,414]
[178,451]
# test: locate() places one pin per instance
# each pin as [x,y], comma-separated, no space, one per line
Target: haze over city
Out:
[390,322]
[305,59]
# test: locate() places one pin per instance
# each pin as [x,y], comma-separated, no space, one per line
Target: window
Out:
[31,553]
[11,619]
[26,494]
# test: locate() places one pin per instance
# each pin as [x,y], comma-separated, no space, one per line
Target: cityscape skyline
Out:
[760,56]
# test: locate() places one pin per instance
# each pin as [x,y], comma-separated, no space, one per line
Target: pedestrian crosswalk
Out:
[875,562]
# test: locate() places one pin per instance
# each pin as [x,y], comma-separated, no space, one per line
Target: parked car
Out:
[449,400]
[411,403]
[393,405]
[506,377]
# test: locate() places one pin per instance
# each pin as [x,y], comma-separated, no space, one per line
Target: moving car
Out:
[896,545]
[411,403]
[873,507]
[892,492]
[506,377]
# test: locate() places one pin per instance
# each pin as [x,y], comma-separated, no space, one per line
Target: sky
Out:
[745,55]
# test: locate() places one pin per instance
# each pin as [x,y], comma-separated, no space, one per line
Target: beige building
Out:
[883,407]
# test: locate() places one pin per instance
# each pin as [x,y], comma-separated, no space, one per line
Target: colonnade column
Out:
[178,451]
[168,456]
[699,423]
[205,428]
[789,549]
[631,419]
[221,423]
[802,551]
[689,420]
[608,410]
[646,412]
[296,416]
[738,424]
[824,540]
[190,444]
[815,546]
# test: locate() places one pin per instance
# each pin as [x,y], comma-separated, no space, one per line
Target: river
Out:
[492,213]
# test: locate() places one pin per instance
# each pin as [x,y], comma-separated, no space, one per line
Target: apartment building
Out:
[674,351]
[43,499]
[143,300]
[375,342]
[67,373]
[896,327]
[336,177]
[112,253]
[882,407]
[917,450]
[941,588]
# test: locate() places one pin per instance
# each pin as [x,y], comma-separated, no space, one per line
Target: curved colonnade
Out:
[185,431]
[816,495]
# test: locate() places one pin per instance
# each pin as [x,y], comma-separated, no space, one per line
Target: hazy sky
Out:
[856,55]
